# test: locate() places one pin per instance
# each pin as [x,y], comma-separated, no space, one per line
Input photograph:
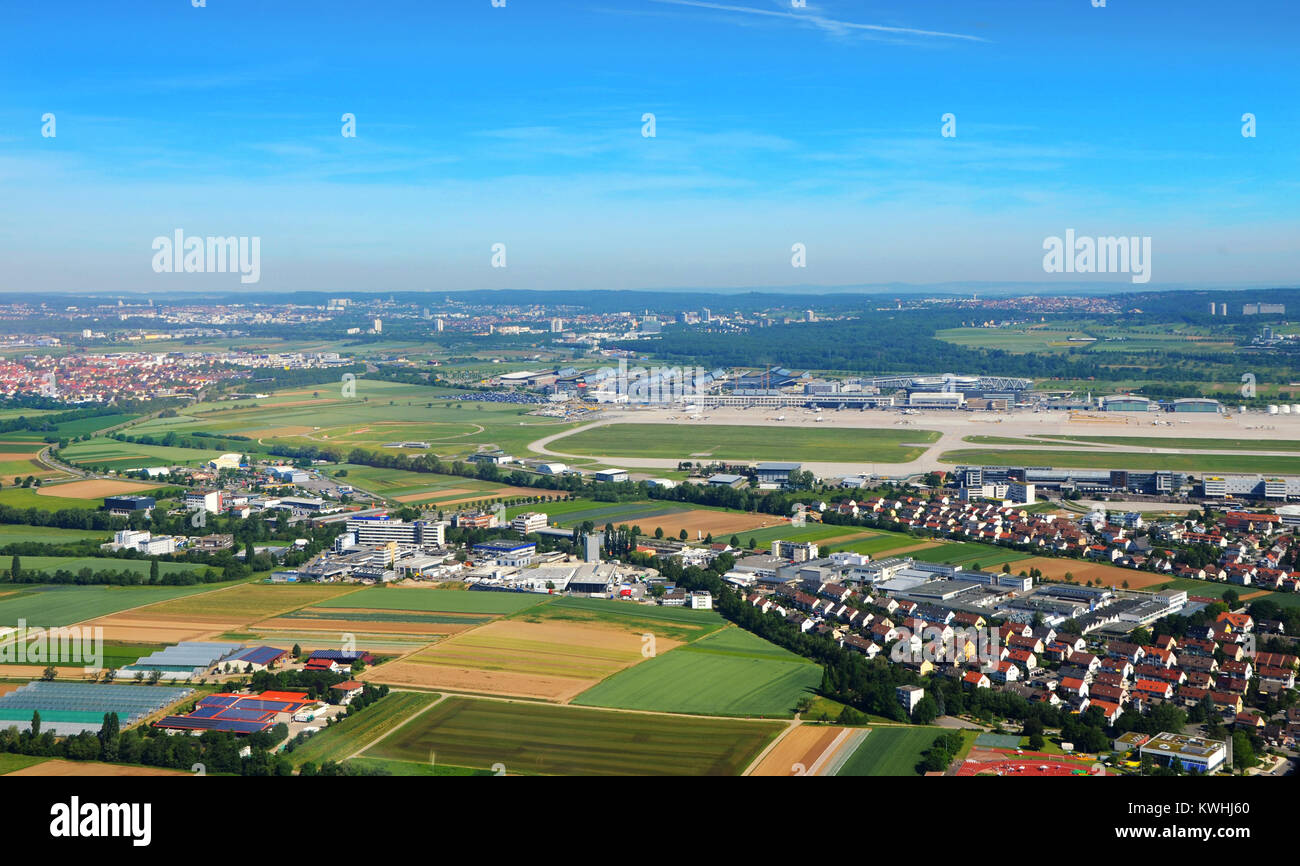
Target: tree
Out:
[36,723]
[297,651]
[1243,751]
[682,535]
[49,673]
[153,571]
[15,568]
[659,532]
[1231,598]
[734,541]
[1036,742]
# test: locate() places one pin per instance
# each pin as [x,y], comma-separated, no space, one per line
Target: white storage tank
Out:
[1272,408]
[1286,408]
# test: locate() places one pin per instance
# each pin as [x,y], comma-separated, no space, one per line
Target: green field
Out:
[381,412]
[893,751]
[116,655]
[969,553]
[62,605]
[543,739]
[16,533]
[354,733]
[49,564]
[675,623]
[1184,443]
[435,600]
[731,672]
[31,497]
[1106,459]
[128,455]
[10,762]
[731,442]
[882,544]
[1017,340]
[410,768]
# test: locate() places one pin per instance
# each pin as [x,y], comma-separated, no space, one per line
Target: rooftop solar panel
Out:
[260,655]
[267,706]
[219,701]
[207,712]
[227,725]
[241,715]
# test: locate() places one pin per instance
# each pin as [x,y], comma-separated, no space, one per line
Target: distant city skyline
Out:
[773,126]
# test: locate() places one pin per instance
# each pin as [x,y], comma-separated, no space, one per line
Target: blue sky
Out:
[522,125]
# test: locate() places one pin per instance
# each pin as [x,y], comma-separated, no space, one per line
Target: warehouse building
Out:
[1195,404]
[1125,403]
[125,505]
[776,473]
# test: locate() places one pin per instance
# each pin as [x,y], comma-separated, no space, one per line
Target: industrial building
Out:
[382,529]
[124,505]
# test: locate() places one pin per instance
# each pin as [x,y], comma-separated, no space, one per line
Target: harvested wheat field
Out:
[93,489]
[552,660]
[1108,575]
[804,751]
[140,628]
[481,496]
[92,768]
[704,522]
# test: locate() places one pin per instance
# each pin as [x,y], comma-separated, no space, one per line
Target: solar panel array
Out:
[193,723]
[236,714]
[259,655]
[77,707]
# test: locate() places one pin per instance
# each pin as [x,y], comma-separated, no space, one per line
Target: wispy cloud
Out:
[834,25]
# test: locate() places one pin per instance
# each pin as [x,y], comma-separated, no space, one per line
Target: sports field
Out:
[341,739]
[730,672]
[733,442]
[890,751]
[1108,459]
[542,739]
[64,605]
[435,600]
